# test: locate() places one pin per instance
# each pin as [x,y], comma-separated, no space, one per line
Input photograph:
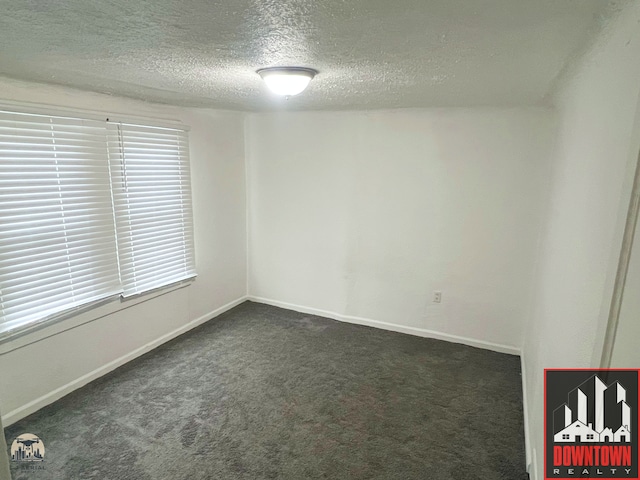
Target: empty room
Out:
[259,239]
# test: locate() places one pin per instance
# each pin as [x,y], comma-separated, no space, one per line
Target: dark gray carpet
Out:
[266,393]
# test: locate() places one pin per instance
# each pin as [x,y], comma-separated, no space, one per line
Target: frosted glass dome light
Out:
[287,81]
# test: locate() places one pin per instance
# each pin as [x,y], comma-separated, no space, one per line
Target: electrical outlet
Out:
[437,296]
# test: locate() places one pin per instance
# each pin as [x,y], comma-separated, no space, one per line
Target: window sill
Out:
[32,333]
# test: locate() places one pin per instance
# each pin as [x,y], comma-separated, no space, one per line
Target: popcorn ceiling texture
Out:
[370,53]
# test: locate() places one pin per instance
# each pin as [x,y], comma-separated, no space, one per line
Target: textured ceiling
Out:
[370,53]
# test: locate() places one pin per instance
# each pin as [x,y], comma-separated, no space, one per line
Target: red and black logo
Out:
[591,424]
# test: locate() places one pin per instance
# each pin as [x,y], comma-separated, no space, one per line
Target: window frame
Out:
[73,317]
[125,238]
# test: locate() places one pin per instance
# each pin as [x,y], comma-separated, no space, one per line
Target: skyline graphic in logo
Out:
[27,448]
[591,424]
[582,418]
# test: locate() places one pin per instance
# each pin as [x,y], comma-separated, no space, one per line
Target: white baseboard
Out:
[35,405]
[533,472]
[525,412]
[529,442]
[420,332]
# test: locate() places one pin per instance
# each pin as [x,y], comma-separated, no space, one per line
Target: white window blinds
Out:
[152,201]
[57,242]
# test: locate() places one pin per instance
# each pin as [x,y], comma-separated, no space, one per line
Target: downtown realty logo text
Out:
[591,424]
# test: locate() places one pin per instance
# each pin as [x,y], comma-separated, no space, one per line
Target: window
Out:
[57,247]
[589,436]
[89,210]
[152,200]
[565,436]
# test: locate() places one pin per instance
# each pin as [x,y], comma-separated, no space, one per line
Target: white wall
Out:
[39,368]
[361,216]
[591,180]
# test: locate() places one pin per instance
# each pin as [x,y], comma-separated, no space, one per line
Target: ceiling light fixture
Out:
[287,81]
